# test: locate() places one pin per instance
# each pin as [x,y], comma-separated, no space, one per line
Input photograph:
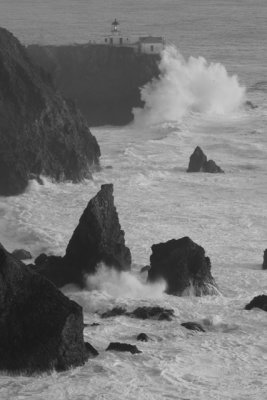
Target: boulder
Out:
[258,302]
[184,266]
[40,328]
[199,163]
[264,264]
[117,346]
[145,312]
[193,326]
[97,238]
[41,133]
[22,254]
[142,337]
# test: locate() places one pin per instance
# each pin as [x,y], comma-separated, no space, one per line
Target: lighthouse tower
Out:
[116,38]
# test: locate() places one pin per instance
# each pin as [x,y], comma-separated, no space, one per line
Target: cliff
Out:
[103,80]
[40,132]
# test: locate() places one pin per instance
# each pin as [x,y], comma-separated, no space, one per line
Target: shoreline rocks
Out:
[199,163]
[40,328]
[117,346]
[184,266]
[258,302]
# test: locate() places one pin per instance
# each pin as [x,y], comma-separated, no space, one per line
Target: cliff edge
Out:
[40,132]
[103,80]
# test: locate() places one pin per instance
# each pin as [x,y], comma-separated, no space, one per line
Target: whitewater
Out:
[200,100]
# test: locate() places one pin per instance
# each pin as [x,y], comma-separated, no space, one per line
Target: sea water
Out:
[216,62]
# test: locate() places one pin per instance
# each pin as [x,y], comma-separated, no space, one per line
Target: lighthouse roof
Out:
[115,22]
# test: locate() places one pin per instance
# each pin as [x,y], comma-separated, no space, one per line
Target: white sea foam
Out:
[189,86]
[123,284]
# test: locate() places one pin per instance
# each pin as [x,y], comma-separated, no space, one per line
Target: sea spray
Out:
[188,86]
[123,284]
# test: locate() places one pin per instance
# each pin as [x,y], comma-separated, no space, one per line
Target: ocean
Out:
[215,61]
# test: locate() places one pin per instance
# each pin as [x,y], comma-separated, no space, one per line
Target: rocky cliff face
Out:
[40,132]
[105,81]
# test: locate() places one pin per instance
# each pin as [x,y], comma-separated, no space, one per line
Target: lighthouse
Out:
[115,27]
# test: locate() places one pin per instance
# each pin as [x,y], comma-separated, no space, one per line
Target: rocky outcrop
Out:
[40,132]
[105,81]
[184,266]
[264,264]
[142,337]
[40,328]
[258,302]
[199,163]
[193,326]
[22,254]
[117,346]
[97,238]
[155,313]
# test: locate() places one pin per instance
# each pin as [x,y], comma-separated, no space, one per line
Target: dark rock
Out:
[98,236]
[193,326]
[264,264]
[91,351]
[37,178]
[114,312]
[199,163]
[95,324]
[40,132]
[183,265]
[258,302]
[116,346]
[142,337]
[104,80]
[145,269]
[157,313]
[22,254]
[40,328]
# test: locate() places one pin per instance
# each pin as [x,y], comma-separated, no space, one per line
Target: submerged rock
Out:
[22,254]
[142,337]
[199,163]
[40,328]
[193,326]
[117,346]
[157,313]
[91,351]
[40,132]
[184,266]
[97,238]
[258,302]
[264,264]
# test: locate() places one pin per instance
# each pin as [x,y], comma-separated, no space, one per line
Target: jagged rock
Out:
[193,326]
[184,267]
[264,264]
[157,313]
[199,163]
[117,346]
[40,132]
[258,302]
[22,254]
[97,238]
[40,328]
[104,80]
[142,337]
[91,351]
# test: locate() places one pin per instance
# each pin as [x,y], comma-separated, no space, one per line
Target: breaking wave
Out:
[188,86]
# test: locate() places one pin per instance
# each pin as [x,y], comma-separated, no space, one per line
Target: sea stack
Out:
[199,163]
[184,266]
[97,238]
[40,132]
[40,328]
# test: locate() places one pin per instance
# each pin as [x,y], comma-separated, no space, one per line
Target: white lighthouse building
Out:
[144,44]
